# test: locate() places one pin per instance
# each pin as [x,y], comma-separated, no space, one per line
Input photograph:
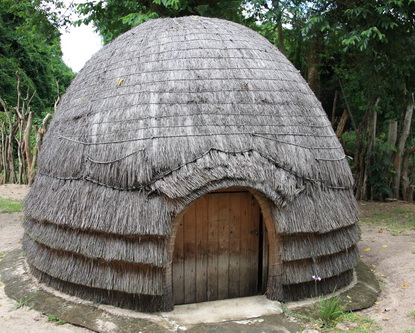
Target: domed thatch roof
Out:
[167,112]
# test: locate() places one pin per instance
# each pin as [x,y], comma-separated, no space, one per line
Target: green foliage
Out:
[397,222]
[381,170]
[362,50]
[8,206]
[112,17]
[2,254]
[349,142]
[56,320]
[330,310]
[30,45]
[365,324]
[21,302]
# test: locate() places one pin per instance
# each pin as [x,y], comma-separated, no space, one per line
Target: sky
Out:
[79,44]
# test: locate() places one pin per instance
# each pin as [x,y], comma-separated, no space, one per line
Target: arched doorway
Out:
[220,249]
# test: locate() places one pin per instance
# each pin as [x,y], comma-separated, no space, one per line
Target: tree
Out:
[30,44]
[31,65]
[112,17]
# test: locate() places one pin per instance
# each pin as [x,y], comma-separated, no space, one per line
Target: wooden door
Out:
[218,249]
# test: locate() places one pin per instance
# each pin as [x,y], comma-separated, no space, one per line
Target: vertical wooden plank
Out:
[189,238]
[212,292]
[245,245]
[178,266]
[253,227]
[234,244]
[201,249]
[265,245]
[223,244]
[249,245]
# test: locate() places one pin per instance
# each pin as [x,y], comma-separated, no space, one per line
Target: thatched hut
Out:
[189,161]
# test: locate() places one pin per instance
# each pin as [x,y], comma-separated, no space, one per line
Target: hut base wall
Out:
[136,302]
[295,292]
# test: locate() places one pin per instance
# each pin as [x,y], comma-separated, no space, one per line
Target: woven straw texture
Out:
[169,111]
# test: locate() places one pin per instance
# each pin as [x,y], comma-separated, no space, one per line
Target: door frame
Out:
[274,286]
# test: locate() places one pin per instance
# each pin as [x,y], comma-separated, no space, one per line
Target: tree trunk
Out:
[26,141]
[393,133]
[407,188]
[313,76]
[4,146]
[342,124]
[359,166]
[365,142]
[333,110]
[397,162]
[353,123]
[39,140]
[281,45]
[277,9]
[370,147]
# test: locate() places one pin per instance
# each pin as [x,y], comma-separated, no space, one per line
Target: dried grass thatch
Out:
[169,111]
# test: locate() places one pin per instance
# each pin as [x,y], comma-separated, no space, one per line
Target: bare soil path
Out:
[387,245]
[23,319]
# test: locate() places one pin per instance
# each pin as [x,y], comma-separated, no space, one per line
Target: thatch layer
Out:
[119,276]
[144,303]
[169,111]
[90,207]
[303,270]
[318,211]
[301,246]
[295,292]
[109,247]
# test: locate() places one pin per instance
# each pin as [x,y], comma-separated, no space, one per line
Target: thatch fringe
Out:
[317,211]
[110,247]
[143,303]
[120,276]
[295,292]
[300,271]
[93,208]
[301,246]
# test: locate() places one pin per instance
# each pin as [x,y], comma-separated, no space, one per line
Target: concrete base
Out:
[256,314]
[223,310]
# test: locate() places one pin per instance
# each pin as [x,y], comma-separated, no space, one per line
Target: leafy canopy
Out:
[112,17]
[30,45]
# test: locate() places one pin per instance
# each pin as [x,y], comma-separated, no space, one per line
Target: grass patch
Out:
[401,223]
[2,254]
[412,315]
[397,220]
[336,320]
[22,302]
[56,320]
[357,323]
[330,311]
[8,206]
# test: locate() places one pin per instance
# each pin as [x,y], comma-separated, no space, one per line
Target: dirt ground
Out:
[386,247]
